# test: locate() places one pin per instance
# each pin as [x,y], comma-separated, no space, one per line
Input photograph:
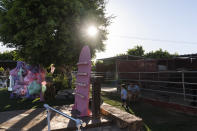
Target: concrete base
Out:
[35,120]
[122,118]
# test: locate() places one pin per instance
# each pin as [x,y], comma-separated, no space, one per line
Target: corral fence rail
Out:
[178,87]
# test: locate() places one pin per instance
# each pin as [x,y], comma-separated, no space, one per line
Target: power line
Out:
[154,39]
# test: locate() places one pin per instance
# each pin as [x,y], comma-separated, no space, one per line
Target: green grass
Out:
[155,118]
[7,104]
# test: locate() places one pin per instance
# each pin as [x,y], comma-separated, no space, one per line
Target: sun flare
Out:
[92,31]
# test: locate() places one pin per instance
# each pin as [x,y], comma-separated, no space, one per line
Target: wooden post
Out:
[96,96]
[183,83]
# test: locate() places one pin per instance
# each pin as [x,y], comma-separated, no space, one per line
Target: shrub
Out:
[60,82]
[1,70]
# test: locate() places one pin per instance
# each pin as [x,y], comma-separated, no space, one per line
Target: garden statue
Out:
[83,82]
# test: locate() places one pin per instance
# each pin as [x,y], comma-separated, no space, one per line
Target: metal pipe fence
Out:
[181,83]
[78,122]
[179,86]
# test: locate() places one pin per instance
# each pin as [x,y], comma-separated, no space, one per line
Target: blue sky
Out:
[173,20]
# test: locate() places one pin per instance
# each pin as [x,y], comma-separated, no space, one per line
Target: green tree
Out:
[137,51]
[121,54]
[6,56]
[11,55]
[52,31]
[16,56]
[159,54]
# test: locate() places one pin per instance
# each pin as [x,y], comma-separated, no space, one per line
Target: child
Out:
[124,95]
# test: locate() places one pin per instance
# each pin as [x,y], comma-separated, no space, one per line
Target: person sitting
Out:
[124,95]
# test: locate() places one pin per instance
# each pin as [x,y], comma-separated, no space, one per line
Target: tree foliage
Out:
[52,31]
[121,54]
[11,55]
[139,51]
[159,54]
[6,56]
[136,51]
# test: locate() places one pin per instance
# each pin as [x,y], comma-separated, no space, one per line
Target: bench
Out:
[122,118]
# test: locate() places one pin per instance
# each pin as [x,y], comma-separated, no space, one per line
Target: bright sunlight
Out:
[92,31]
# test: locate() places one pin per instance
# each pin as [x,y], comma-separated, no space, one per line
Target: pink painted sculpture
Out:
[83,82]
[27,81]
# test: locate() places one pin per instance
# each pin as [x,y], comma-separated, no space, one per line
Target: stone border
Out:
[122,118]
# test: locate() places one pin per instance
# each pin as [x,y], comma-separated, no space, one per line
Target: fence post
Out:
[48,118]
[96,93]
[183,83]
[116,73]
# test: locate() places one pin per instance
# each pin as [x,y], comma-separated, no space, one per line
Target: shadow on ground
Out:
[155,118]
[7,104]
